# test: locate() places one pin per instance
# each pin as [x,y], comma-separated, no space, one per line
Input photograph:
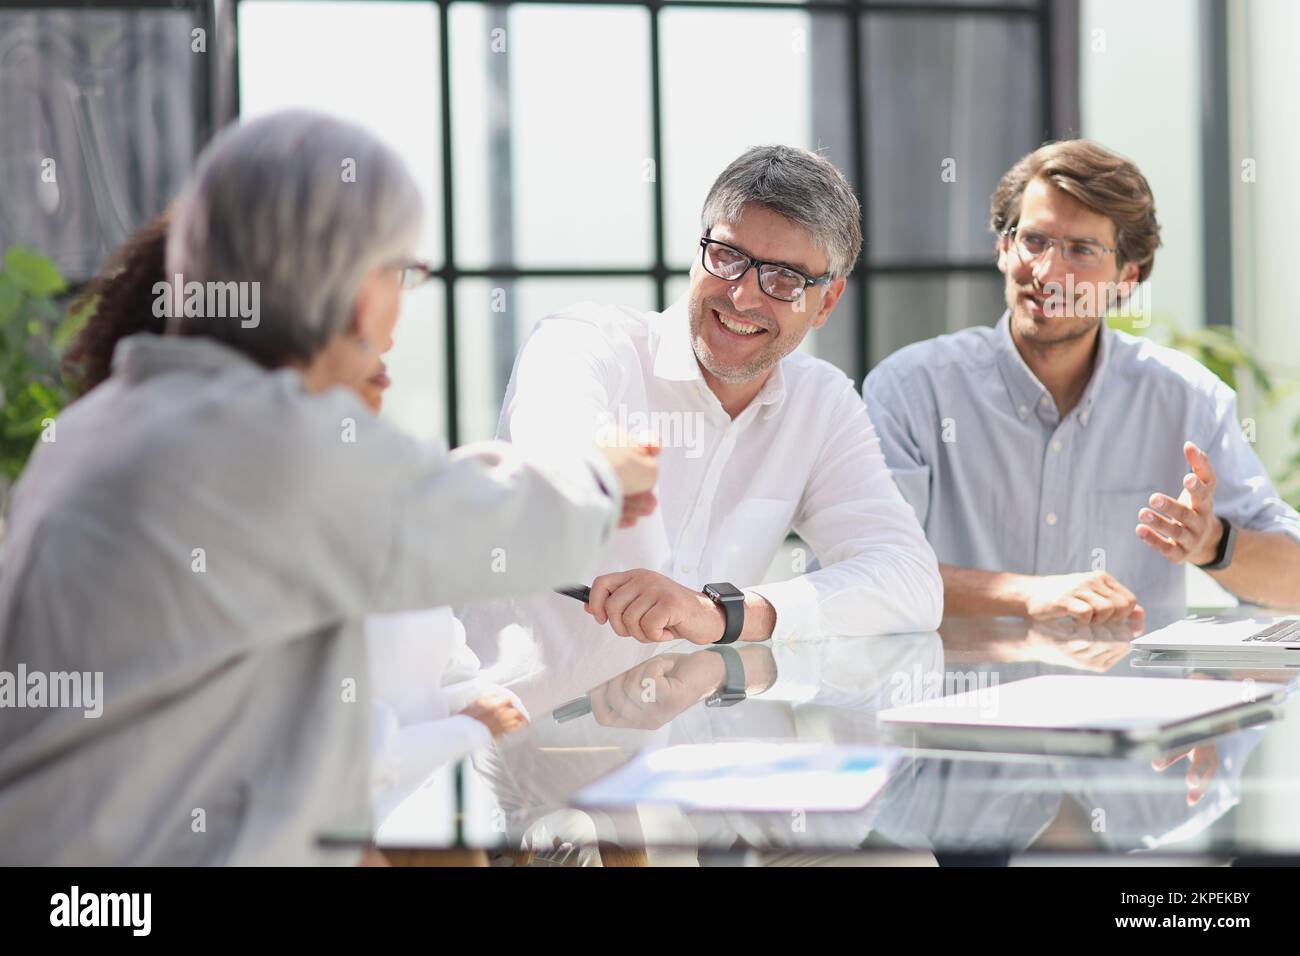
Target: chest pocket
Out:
[1112,520]
[749,537]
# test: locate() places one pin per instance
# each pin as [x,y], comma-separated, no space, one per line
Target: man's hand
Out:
[1202,764]
[497,713]
[1090,647]
[653,608]
[1186,529]
[636,507]
[638,470]
[1090,597]
[652,693]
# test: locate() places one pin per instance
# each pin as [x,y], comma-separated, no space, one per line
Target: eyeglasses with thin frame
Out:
[776,280]
[1032,245]
[415,273]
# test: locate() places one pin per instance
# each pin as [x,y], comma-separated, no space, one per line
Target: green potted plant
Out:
[33,329]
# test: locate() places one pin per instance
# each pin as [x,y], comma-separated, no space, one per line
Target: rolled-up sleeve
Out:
[1243,492]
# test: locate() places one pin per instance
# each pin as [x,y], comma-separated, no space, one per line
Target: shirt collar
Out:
[674,358]
[772,394]
[1027,393]
[143,355]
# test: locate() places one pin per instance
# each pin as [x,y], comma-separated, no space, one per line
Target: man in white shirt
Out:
[756,438]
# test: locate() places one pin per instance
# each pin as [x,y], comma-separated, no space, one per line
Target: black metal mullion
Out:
[814,6]
[660,269]
[861,166]
[1025,8]
[1216,165]
[1045,78]
[234,64]
[448,233]
[916,267]
[206,73]
[449,312]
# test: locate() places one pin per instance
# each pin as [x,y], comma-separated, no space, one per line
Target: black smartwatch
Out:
[732,691]
[1227,544]
[732,601]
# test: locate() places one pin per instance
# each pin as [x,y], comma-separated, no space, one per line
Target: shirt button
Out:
[684,568]
[1056,444]
[1023,411]
[1051,517]
[1043,401]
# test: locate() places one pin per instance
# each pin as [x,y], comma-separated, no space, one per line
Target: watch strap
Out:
[732,690]
[733,609]
[1227,544]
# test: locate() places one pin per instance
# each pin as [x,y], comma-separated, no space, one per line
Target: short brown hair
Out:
[1103,181]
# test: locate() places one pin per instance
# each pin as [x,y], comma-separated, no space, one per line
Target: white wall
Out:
[1264,78]
[1265,75]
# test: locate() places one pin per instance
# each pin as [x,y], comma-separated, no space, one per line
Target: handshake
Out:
[643,604]
[635,461]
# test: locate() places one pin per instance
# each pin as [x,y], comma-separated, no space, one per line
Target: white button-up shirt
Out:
[803,455]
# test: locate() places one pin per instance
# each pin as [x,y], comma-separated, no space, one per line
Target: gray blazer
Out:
[207,537]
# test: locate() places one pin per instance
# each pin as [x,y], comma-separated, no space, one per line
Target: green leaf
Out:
[33,272]
[11,298]
[73,323]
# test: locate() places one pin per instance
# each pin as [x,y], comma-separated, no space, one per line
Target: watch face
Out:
[724,592]
[724,698]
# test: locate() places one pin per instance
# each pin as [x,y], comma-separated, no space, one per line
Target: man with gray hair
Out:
[212,524]
[756,439]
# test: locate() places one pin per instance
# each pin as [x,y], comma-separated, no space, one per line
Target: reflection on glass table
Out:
[1225,797]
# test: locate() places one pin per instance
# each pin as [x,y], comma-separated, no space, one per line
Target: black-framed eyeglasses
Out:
[776,280]
[1031,245]
[415,273]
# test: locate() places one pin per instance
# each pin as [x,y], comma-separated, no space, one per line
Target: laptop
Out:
[1086,716]
[1252,640]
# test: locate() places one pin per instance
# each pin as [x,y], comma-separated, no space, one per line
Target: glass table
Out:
[1228,798]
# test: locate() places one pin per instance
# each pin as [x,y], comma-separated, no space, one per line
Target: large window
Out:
[565,151]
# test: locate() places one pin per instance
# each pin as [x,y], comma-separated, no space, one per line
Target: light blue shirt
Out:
[1001,482]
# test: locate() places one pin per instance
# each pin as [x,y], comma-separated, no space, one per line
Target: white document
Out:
[1070,702]
[749,776]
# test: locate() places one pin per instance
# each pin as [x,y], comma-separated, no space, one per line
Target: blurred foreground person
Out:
[190,558]
[430,705]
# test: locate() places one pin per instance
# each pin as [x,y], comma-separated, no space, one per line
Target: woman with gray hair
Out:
[191,555]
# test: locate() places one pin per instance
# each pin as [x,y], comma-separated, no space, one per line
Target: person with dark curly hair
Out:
[122,301]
